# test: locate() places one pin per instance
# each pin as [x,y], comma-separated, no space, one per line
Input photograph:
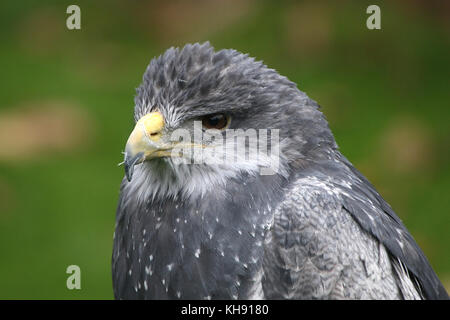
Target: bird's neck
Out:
[223,230]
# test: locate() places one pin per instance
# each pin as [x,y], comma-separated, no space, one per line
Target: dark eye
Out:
[215,121]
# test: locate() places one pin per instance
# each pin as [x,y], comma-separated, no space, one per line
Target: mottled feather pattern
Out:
[208,248]
[321,252]
[316,230]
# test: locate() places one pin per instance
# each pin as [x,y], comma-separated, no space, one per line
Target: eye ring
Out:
[218,121]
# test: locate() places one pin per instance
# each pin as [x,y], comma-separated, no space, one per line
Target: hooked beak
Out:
[130,162]
[144,142]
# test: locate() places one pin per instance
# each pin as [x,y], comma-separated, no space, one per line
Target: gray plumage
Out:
[315,230]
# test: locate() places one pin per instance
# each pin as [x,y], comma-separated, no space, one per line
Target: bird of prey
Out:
[313,228]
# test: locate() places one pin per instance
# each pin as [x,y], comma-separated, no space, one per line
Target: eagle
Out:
[286,216]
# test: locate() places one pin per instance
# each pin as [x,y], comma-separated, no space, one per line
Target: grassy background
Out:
[67,102]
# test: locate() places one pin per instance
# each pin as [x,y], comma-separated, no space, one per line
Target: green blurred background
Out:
[66,104]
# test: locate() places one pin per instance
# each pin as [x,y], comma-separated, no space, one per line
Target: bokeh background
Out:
[66,104]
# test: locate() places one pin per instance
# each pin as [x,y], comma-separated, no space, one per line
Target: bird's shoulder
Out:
[320,249]
[334,193]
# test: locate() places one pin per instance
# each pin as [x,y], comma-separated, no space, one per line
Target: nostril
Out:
[154,133]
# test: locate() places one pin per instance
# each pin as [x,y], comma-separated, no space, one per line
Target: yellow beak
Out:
[143,142]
